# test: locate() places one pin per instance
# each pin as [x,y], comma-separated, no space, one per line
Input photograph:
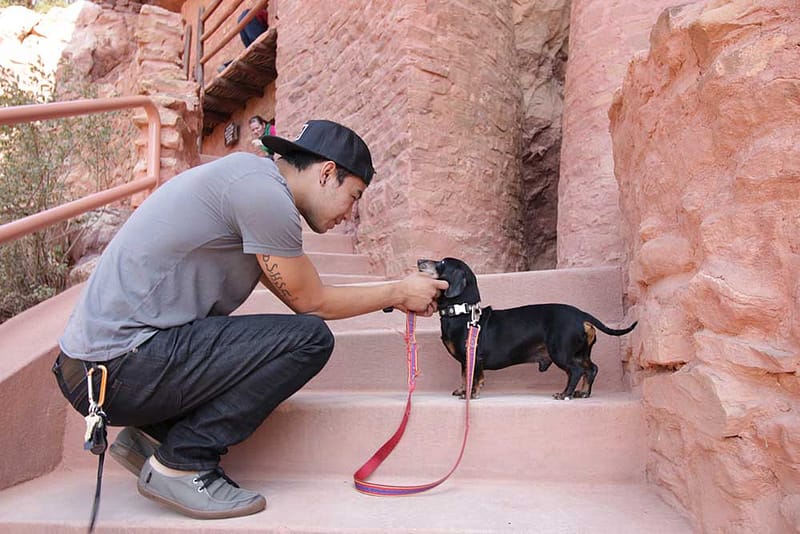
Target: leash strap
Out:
[96,438]
[360,476]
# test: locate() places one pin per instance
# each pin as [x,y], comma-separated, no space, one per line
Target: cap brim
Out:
[284,146]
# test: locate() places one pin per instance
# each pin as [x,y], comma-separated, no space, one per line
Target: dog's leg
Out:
[588,380]
[477,384]
[589,368]
[461,392]
[575,373]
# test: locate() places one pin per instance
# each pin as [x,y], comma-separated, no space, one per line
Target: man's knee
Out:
[320,335]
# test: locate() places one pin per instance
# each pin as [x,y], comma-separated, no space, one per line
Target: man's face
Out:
[333,202]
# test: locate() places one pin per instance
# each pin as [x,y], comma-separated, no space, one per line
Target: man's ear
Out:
[457,284]
[327,171]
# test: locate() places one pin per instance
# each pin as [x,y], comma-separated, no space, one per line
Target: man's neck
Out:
[292,176]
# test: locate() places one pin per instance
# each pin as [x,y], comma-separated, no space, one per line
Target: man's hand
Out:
[419,293]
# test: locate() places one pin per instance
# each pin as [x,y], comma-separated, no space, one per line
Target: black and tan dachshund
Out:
[538,333]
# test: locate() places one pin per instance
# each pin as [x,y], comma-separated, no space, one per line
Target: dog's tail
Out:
[610,331]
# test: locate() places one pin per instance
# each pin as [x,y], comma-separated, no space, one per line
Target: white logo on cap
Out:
[302,131]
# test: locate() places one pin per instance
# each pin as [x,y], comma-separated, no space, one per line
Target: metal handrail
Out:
[57,110]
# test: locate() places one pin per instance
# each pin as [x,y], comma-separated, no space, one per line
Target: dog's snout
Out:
[427,266]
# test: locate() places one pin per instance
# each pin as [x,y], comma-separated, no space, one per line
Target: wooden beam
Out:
[220,105]
[239,87]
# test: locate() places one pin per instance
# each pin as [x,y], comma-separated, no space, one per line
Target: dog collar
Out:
[473,310]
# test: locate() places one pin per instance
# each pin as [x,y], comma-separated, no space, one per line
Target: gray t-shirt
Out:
[186,253]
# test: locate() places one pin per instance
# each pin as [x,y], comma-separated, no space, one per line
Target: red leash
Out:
[360,476]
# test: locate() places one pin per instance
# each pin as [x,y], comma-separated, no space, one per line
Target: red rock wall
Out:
[541,36]
[604,35]
[707,156]
[438,108]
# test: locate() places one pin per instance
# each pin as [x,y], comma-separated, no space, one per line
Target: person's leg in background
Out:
[252,30]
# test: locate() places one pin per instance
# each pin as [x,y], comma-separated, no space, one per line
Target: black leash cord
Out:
[96,505]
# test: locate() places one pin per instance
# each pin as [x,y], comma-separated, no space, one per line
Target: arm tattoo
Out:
[275,278]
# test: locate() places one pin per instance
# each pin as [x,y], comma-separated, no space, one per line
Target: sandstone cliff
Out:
[707,156]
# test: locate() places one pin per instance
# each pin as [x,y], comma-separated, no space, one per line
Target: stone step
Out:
[512,437]
[338,243]
[375,360]
[335,279]
[598,290]
[338,263]
[61,503]
[266,302]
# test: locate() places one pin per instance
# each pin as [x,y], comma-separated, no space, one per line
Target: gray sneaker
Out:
[132,448]
[207,495]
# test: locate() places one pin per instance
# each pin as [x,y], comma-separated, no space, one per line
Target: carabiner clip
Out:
[103,380]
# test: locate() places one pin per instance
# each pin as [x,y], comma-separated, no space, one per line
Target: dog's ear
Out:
[457,282]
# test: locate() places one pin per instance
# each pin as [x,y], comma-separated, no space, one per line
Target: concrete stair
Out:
[532,464]
[61,503]
[333,255]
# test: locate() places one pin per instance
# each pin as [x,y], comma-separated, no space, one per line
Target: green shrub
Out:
[35,158]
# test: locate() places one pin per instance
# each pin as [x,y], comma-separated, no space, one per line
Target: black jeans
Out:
[204,386]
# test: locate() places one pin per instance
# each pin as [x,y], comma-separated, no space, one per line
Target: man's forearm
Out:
[341,302]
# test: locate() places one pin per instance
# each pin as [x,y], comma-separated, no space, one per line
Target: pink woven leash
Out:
[360,476]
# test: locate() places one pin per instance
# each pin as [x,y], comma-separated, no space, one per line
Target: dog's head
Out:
[463,286]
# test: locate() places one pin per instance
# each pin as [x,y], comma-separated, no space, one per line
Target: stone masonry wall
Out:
[604,35]
[160,75]
[438,109]
[707,155]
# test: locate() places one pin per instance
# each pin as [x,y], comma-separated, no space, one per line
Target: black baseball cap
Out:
[329,140]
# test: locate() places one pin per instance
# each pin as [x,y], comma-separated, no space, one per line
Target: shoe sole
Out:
[127,458]
[250,509]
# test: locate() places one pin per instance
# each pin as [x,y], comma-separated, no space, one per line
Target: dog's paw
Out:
[581,395]
[475,395]
[561,396]
[460,393]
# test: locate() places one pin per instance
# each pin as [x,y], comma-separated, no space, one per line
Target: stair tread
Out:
[538,437]
[61,502]
[374,357]
[596,290]
[342,243]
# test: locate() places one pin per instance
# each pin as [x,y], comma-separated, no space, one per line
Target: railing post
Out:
[199,72]
[187,50]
